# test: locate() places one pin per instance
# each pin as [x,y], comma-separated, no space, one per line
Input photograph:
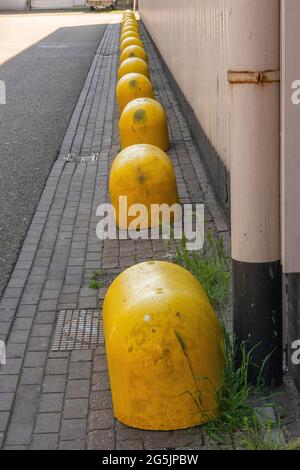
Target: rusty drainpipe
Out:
[254,50]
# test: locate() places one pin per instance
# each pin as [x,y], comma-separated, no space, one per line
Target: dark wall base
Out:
[217,172]
[257,317]
[293,283]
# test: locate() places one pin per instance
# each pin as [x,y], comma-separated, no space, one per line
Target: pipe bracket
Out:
[266,76]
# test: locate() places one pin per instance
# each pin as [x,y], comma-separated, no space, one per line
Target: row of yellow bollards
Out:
[143,171]
[162,337]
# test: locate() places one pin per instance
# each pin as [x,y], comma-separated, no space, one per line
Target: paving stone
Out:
[51,402]
[19,435]
[4,417]
[73,445]
[35,359]
[100,381]
[76,408]
[101,400]
[19,336]
[173,440]
[73,429]
[25,311]
[130,445]
[41,331]
[57,366]
[78,389]
[32,375]
[23,416]
[23,323]
[80,370]
[81,356]
[100,364]
[46,317]
[12,367]
[38,344]
[54,383]
[124,433]
[45,441]
[6,400]
[101,440]
[15,447]
[48,423]
[8,383]
[101,419]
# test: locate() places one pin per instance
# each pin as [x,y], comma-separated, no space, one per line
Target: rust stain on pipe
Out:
[266,76]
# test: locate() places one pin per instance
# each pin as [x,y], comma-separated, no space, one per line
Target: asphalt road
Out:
[44,62]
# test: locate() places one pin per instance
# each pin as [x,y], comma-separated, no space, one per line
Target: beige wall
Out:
[202,41]
[193,39]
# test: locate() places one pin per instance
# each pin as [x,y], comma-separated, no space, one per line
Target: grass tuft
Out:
[96,281]
[210,267]
[238,400]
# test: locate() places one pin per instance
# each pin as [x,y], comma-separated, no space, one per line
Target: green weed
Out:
[210,267]
[96,281]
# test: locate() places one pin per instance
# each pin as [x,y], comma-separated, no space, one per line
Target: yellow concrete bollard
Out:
[134,51]
[133,65]
[129,16]
[144,121]
[128,13]
[164,348]
[131,41]
[130,24]
[132,86]
[127,28]
[130,21]
[129,34]
[145,175]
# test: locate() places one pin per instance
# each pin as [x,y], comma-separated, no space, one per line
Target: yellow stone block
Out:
[132,86]
[129,34]
[144,121]
[133,65]
[131,41]
[128,14]
[164,348]
[134,51]
[129,27]
[130,21]
[145,175]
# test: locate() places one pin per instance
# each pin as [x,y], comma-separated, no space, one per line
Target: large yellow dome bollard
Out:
[134,51]
[131,25]
[130,21]
[133,65]
[128,14]
[131,41]
[145,175]
[144,121]
[129,34]
[127,28]
[164,348]
[132,86]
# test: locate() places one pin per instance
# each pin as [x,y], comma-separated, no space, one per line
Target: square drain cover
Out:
[78,329]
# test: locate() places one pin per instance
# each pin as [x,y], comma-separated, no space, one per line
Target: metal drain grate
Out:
[78,329]
[79,159]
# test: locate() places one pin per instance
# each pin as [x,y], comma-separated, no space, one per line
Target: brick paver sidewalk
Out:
[54,390]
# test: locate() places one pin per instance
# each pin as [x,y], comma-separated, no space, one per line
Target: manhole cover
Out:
[78,329]
[82,159]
